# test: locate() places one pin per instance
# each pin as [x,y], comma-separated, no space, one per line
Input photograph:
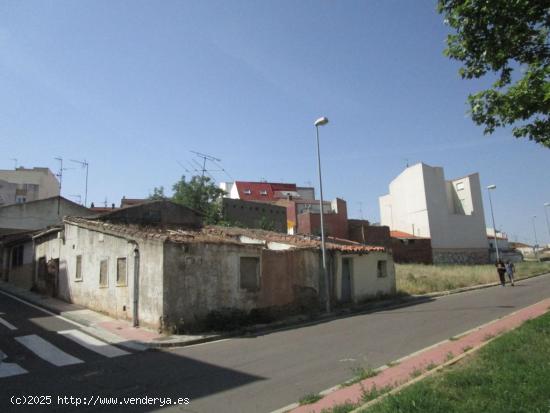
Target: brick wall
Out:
[415,250]
[360,230]
[336,224]
[255,214]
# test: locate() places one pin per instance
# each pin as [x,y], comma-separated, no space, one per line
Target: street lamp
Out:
[546,205]
[489,188]
[536,241]
[320,122]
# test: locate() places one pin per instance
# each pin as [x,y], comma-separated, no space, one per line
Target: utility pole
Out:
[14,162]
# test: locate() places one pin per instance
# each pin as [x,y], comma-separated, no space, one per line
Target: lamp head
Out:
[492,187]
[321,121]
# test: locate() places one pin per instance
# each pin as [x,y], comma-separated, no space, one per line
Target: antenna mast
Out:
[84,164]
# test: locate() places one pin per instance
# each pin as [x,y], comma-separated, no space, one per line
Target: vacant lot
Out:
[510,374]
[421,279]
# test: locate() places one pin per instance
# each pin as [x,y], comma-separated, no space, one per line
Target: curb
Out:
[429,373]
[251,331]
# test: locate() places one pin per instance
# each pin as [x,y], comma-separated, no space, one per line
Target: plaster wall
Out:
[201,277]
[48,185]
[115,299]
[365,282]
[22,275]
[39,214]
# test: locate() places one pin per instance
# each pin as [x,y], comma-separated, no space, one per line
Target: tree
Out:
[201,195]
[509,38]
[158,194]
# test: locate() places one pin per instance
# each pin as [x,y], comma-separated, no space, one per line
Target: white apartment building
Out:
[22,185]
[450,212]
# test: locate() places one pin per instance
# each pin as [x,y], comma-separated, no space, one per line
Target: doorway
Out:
[346,280]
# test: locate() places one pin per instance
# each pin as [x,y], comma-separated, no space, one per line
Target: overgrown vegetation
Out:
[360,373]
[199,193]
[231,319]
[422,279]
[510,374]
[310,398]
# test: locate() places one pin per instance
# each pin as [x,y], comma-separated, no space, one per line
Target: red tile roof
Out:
[262,191]
[223,235]
[403,235]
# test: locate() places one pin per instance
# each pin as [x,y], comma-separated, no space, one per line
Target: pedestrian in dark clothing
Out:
[510,269]
[501,269]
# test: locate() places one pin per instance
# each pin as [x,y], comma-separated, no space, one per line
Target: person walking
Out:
[510,269]
[501,270]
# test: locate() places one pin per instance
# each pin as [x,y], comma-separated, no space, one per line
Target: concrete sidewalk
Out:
[419,364]
[113,331]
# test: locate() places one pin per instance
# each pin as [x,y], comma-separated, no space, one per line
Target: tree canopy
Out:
[199,193]
[509,38]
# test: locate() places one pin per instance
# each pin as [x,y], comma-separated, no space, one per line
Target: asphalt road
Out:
[250,374]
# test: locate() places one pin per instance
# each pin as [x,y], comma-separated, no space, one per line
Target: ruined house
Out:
[156,265]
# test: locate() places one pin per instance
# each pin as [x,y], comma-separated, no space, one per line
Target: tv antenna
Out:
[84,164]
[202,168]
[60,173]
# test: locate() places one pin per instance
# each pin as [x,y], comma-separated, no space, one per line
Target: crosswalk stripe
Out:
[92,343]
[7,324]
[47,351]
[9,369]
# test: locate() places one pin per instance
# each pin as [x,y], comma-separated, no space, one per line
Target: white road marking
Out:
[47,351]
[7,324]
[92,343]
[9,369]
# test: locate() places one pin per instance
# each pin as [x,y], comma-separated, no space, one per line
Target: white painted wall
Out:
[405,207]
[421,201]
[365,282]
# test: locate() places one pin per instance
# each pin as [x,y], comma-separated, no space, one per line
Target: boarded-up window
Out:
[78,270]
[250,273]
[104,273]
[382,269]
[121,271]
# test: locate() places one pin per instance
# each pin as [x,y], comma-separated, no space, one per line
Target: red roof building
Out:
[264,191]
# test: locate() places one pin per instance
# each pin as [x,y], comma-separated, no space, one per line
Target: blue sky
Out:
[134,86]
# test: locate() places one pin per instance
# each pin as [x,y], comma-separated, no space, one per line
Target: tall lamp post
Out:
[320,122]
[489,189]
[536,241]
[546,205]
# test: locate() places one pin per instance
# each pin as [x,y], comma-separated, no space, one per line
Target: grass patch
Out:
[360,373]
[415,373]
[373,393]
[431,366]
[449,356]
[341,408]
[454,338]
[422,279]
[467,348]
[510,374]
[393,364]
[310,398]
